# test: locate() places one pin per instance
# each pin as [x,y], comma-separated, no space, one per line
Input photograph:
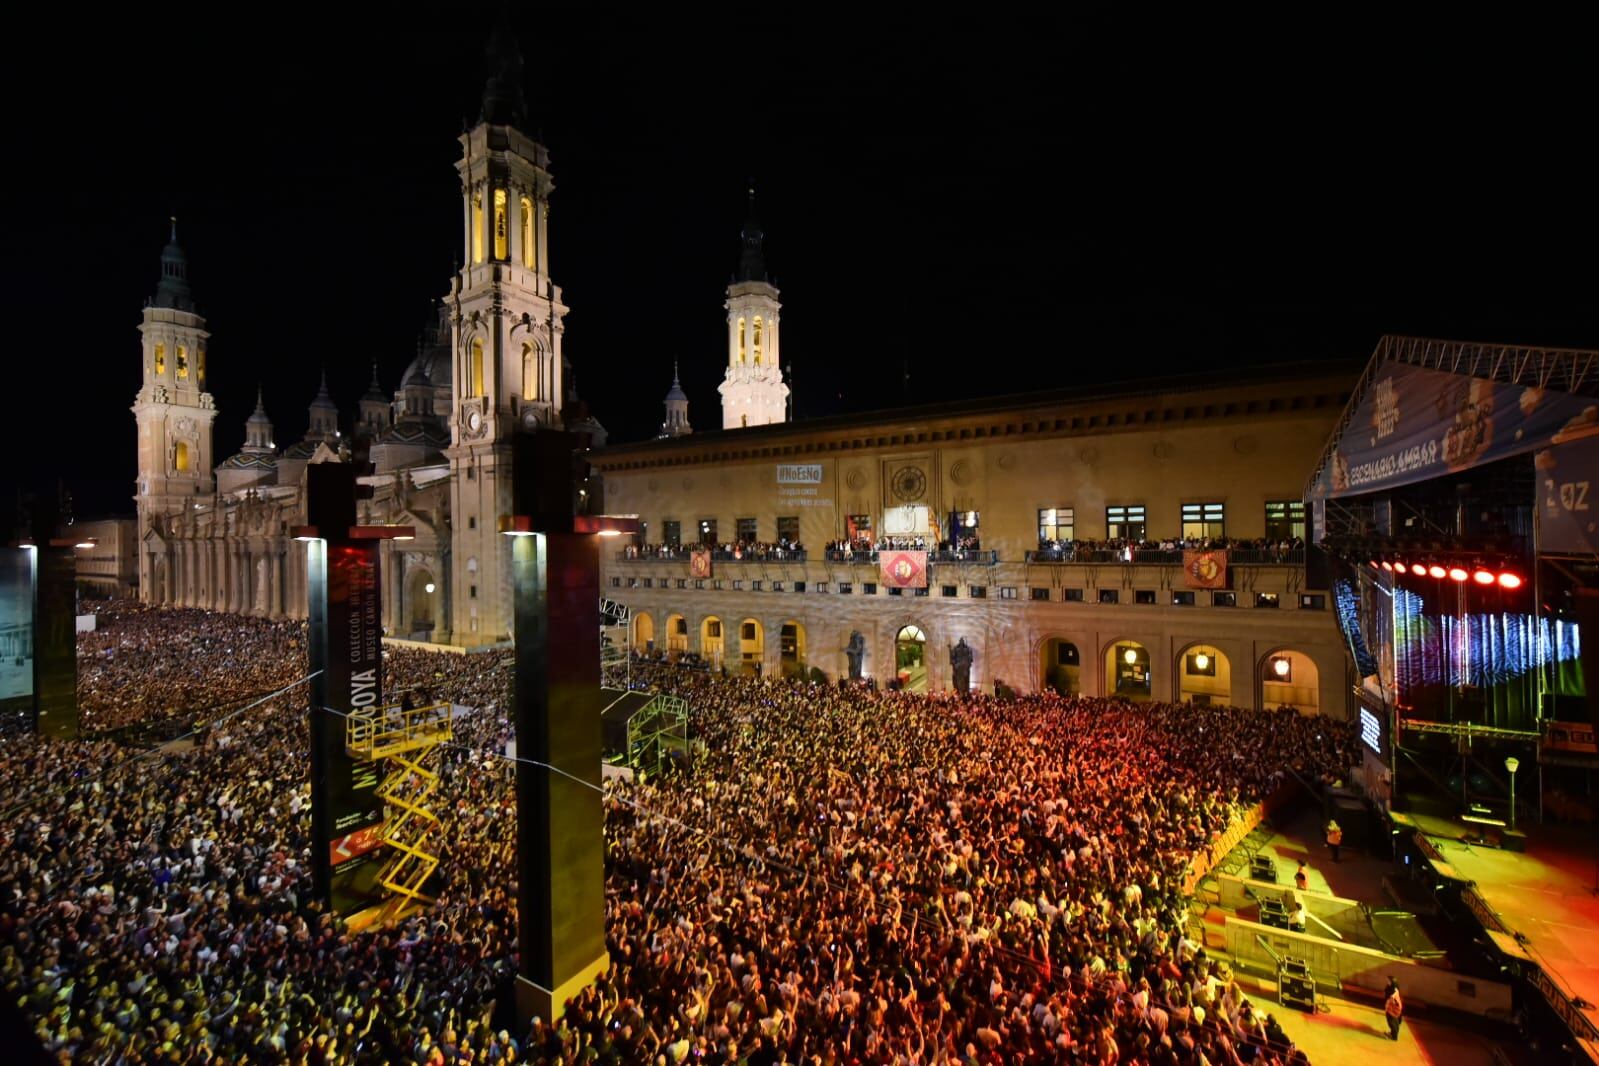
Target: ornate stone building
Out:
[216,535]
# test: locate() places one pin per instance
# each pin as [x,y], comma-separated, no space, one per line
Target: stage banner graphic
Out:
[903,569]
[1414,424]
[1568,505]
[1205,569]
[355,687]
[699,563]
[16,631]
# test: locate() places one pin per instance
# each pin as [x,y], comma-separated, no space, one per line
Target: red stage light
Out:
[1457,574]
[1418,569]
[1386,565]
[1482,577]
[1507,580]
[1436,571]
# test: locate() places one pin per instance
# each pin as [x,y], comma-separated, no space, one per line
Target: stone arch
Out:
[791,661]
[643,631]
[161,590]
[676,634]
[751,638]
[1060,661]
[1202,673]
[713,640]
[1298,686]
[911,667]
[1130,678]
[421,604]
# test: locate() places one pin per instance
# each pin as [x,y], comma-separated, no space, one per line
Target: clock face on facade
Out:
[530,419]
[909,483]
[474,420]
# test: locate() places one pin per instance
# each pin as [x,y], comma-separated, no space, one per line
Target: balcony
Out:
[720,555]
[1165,557]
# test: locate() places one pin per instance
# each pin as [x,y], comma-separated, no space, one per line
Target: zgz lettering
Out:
[1574,495]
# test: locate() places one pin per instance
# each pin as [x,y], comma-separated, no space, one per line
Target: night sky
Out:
[992,204]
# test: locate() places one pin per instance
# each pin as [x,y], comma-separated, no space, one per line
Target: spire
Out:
[676,392]
[374,391]
[258,427]
[503,102]
[752,261]
[676,424]
[173,288]
[324,414]
[323,398]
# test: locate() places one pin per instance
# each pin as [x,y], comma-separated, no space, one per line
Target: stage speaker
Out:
[1295,986]
[1263,868]
[1588,633]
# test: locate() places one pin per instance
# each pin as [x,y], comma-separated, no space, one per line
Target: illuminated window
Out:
[788,529]
[757,344]
[183,362]
[477,367]
[180,457]
[1125,523]
[502,224]
[528,259]
[741,340]
[477,228]
[746,530]
[160,359]
[708,532]
[1203,520]
[199,366]
[672,532]
[1054,524]
[1285,519]
[530,373]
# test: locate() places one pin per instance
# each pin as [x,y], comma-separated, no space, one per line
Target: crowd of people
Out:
[843,876]
[1128,549]
[784,548]
[849,547]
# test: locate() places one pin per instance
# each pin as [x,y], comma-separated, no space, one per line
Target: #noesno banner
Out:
[355,686]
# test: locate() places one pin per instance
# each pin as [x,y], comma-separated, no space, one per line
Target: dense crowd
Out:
[843,877]
[742,549]
[1128,549]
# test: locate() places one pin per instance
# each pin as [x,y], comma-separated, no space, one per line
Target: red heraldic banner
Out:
[699,564]
[1205,569]
[904,569]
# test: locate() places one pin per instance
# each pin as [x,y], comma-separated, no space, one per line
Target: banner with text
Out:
[1414,424]
[904,569]
[1569,512]
[800,485]
[1205,569]
[355,686]
[16,631]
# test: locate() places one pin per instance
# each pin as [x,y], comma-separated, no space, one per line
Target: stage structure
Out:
[38,625]
[1451,504]
[555,569]
[616,644]
[369,775]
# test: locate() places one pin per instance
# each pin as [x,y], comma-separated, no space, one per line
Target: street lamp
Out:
[1512,764]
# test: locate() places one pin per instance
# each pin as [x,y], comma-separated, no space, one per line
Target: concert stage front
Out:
[1538,906]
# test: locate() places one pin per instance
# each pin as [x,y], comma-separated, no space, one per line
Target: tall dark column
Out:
[560,820]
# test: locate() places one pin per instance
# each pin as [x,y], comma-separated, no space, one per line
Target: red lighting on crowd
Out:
[1507,580]
[1418,569]
[1482,577]
[1457,574]
[1436,571]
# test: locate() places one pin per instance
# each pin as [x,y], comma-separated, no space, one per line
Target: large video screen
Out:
[16,629]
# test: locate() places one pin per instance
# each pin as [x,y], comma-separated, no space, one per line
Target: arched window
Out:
[530,372]
[502,225]
[477,227]
[757,340]
[199,367]
[528,258]
[740,340]
[183,362]
[477,367]
[160,359]
[180,457]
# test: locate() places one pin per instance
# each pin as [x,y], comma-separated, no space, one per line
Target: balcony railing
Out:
[1165,556]
[775,555]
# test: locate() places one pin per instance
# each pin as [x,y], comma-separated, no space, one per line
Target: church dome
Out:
[430,367]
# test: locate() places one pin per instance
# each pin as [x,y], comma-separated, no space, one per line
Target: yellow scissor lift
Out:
[406,740]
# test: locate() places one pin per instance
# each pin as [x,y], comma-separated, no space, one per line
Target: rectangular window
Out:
[699,582]
[649,582]
[821,586]
[746,530]
[846,587]
[1285,520]
[895,590]
[921,591]
[977,592]
[713,629]
[616,582]
[1203,520]
[963,525]
[1266,599]
[708,532]
[1182,599]
[1039,595]
[858,528]
[1007,592]
[718,584]
[632,582]
[788,530]
[1312,601]
[1054,525]
[1144,596]
[643,534]
[474,592]
[1072,595]
[738,586]
[682,582]
[1125,522]
[869,589]
[755,586]
[1109,595]
[1224,599]
[948,590]
[747,631]
[672,533]
[799,586]
[471,521]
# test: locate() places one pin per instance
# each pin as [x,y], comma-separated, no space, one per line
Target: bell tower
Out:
[506,325]
[173,410]
[753,390]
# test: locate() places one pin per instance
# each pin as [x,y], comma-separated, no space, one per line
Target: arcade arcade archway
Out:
[791,649]
[1289,678]
[910,658]
[421,604]
[711,641]
[1062,666]
[1127,673]
[751,646]
[676,634]
[1204,676]
[643,632]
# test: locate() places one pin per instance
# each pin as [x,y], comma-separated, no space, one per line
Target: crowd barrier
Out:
[1210,857]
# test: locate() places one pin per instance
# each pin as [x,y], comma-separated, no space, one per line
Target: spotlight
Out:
[1386,565]
[1457,574]
[1507,580]
[1418,569]
[1482,577]
[1436,571]
[1373,564]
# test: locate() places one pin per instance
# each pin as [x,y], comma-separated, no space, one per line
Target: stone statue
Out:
[960,661]
[856,653]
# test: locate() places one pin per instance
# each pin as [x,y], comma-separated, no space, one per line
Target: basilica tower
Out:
[506,324]
[173,410]
[753,391]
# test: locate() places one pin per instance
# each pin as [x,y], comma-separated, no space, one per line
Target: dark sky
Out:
[997,202]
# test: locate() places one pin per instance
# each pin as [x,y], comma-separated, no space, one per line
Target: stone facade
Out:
[1006,466]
